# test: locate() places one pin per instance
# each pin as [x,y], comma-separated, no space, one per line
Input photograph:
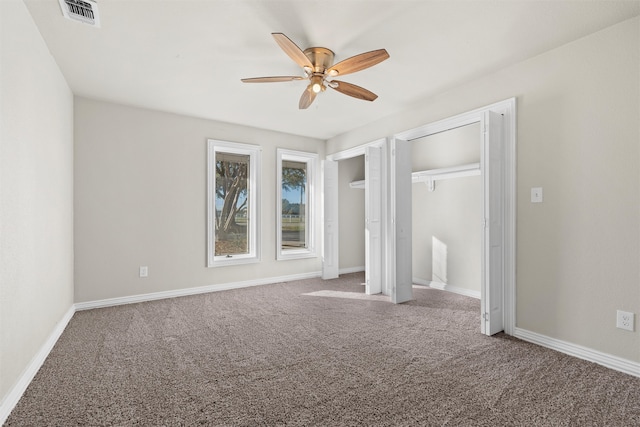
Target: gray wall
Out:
[351,213]
[578,127]
[452,213]
[36,194]
[140,184]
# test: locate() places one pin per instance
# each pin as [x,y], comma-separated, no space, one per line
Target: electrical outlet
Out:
[625,320]
[144,271]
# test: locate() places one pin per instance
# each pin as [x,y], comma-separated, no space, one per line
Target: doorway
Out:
[497,124]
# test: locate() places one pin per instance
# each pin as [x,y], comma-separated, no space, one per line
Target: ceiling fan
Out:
[318,67]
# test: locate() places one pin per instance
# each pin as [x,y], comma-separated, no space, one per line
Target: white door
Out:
[400,214]
[493,236]
[330,254]
[373,219]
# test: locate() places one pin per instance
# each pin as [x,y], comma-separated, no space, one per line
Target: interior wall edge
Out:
[18,389]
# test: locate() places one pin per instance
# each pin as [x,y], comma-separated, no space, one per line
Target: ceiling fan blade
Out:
[358,62]
[291,49]
[273,79]
[353,90]
[306,99]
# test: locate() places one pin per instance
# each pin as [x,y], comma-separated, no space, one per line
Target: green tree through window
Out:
[294,183]
[232,202]
[233,211]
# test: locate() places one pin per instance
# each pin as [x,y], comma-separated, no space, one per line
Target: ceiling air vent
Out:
[85,11]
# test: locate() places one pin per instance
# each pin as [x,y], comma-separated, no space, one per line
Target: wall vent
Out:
[85,11]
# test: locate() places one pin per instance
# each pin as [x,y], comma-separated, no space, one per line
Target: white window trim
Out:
[311,160]
[254,152]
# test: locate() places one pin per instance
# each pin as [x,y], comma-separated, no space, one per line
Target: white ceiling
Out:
[188,56]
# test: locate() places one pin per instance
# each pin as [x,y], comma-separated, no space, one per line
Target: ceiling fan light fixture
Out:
[317,65]
[316,84]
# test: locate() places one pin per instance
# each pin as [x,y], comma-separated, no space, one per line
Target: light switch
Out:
[536,195]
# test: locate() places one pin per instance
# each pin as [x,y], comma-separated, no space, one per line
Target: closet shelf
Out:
[430,176]
[446,173]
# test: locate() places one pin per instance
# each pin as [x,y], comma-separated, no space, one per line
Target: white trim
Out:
[446,287]
[444,125]
[16,392]
[254,152]
[355,151]
[311,161]
[613,362]
[348,270]
[454,122]
[110,302]
[511,184]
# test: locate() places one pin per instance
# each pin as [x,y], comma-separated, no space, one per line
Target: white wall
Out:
[578,133]
[36,194]
[351,213]
[140,184]
[452,213]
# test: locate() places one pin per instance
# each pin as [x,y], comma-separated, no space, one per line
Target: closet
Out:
[447,210]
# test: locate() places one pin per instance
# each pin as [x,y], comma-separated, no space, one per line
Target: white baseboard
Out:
[110,302]
[447,287]
[351,270]
[32,368]
[585,353]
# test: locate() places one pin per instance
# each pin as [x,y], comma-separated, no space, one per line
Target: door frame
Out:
[360,150]
[508,109]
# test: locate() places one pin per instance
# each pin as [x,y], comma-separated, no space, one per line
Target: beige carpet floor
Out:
[273,356]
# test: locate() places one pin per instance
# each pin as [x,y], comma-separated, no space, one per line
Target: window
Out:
[233,177]
[295,207]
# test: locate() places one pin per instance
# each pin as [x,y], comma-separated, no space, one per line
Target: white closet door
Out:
[330,254]
[373,219]
[493,237]
[400,214]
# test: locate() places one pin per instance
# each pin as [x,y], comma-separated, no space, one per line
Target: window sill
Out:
[296,254]
[223,261]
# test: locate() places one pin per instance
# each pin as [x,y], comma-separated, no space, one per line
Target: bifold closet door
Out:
[331,242]
[491,163]
[373,219]
[399,241]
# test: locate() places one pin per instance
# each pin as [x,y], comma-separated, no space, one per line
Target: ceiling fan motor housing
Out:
[320,57]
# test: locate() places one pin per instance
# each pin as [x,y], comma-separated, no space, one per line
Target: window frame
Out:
[311,160]
[254,152]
